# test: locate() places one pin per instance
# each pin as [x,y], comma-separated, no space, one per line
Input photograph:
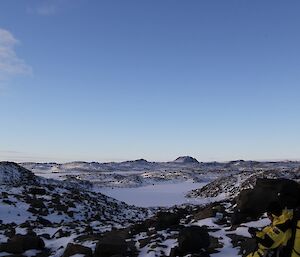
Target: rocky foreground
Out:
[46,217]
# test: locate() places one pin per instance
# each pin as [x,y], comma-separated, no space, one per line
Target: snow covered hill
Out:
[56,211]
[42,216]
[13,174]
[230,186]
[141,172]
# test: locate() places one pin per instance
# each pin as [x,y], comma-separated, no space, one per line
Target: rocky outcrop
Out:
[21,243]
[73,249]
[166,220]
[193,239]
[111,245]
[252,203]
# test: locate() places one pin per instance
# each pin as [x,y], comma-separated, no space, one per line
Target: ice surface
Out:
[165,194]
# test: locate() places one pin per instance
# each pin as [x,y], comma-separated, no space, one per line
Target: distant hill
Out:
[139,161]
[186,159]
[13,174]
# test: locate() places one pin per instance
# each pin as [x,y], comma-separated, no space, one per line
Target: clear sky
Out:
[155,79]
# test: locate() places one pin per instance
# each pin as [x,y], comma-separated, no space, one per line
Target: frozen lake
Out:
[166,194]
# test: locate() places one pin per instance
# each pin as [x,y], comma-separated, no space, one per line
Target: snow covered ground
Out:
[164,194]
[76,208]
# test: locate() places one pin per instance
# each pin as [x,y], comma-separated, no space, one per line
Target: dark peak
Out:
[141,161]
[186,159]
[138,161]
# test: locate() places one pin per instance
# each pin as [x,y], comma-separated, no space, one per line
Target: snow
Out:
[151,251]
[258,224]
[164,194]
[221,234]
[9,213]
[57,243]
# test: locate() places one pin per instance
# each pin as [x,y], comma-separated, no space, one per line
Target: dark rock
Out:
[56,198]
[61,208]
[61,233]
[245,244]
[142,226]
[10,232]
[37,203]
[175,252]
[71,204]
[46,236]
[208,211]
[193,239]
[251,204]
[214,244]
[21,243]
[143,242]
[166,220]
[26,224]
[4,194]
[110,245]
[41,211]
[37,191]
[72,249]
[7,202]
[44,222]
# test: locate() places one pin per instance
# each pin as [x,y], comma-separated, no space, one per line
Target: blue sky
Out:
[118,80]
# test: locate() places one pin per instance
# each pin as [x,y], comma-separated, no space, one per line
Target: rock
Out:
[10,232]
[209,211]
[8,202]
[72,249]
[37,191]
[166,220]
[4,194]
[44,222]
[37,203]
[61,233]
[110,245]
[61,208]
[142,226]
[71,204]
[214,244]
[193,239]
[251,204]
[245,244]
[46,236]
[21,243]
[175,252]
[143,242]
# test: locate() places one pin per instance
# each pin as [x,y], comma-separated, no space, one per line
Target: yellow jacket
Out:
[275,235]
[278,233]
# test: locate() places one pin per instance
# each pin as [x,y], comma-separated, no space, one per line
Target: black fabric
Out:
[284,226]
[266,241]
